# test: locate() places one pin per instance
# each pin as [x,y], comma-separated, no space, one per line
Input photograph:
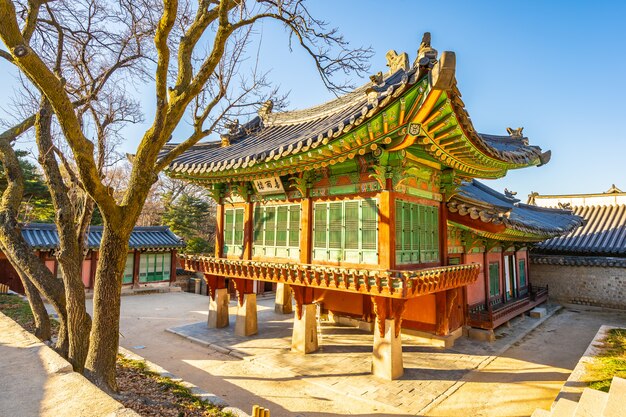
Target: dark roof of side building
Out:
[482,202]
[43,236]
[604,233]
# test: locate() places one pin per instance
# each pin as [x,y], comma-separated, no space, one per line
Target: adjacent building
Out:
[368,208]
[588,265]
[151,257]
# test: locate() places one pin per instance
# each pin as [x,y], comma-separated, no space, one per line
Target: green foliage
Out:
[611,362]
[191,218]
[37,204]
[19,310]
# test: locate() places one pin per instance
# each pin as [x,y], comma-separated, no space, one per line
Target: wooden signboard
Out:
[270,185]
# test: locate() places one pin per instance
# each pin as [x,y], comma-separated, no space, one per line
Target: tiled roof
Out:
[481,202]
[271,136]
[44,236]
[603,234]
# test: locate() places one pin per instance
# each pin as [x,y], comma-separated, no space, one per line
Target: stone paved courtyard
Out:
[344,360]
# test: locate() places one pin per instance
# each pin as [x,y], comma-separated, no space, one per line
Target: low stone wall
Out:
[585,285]
[36,381]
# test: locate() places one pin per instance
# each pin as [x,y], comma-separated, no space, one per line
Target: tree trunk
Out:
[40,315]
[104,341]
[71,237]
[17,250]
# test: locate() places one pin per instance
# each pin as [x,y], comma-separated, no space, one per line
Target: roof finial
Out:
[510,194]
[397,62]
[613,190]
[515,133]
[532,197]
[266,109]
[377,78]
[425,51]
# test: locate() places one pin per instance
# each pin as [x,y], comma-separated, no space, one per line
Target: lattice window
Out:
[233,231]
[346,231]
[128,269]
[277,231]
[154,267]
[522,272]
[494,279]
[417,233]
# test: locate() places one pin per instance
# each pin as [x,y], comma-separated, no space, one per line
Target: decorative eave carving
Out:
[397,61]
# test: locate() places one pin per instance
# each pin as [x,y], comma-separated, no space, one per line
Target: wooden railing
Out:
[386,283]
[479,315]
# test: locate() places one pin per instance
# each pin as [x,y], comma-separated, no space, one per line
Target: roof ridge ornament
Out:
[510,194]
[613,190]
[266,109]
[426,52]
[397,61]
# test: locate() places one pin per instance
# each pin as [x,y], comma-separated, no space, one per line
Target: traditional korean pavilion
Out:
[368,207]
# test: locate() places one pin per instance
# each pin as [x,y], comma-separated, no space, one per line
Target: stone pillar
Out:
[246,323]
[387,355]
[282,305]
[218,309]
[304,338]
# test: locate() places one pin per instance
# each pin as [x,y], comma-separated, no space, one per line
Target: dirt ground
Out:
[527,376]
[530,374]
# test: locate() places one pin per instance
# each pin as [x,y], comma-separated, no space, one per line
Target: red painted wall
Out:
[421,309]
[476,291]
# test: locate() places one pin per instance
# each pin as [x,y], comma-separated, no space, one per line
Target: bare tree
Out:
[198,52]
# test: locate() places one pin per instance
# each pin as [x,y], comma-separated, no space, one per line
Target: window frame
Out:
[417,233]
[335,241]
[261,247]
[234,234]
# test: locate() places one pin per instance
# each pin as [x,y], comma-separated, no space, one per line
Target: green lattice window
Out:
[277,231]
[127,278]
[417,233]
[494,279]
[233,231]
[346,231]
[522,272]
[154,267]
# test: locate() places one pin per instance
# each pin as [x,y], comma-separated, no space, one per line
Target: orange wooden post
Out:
[442,325]
[219,230]
[248,230]
[306,233]
[386,231]
[486,278]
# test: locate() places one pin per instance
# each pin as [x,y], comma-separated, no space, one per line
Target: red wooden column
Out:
[136,260]
[219,230]
[442,320]
[248,230]
[486,277]
[92,268]
[306,231]
[173,265]
[387,229]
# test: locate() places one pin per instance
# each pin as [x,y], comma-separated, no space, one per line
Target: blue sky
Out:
[557,68]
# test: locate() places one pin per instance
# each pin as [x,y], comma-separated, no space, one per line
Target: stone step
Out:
[538,312]
[591,403]
[616,402]
[541,413]
[564,408]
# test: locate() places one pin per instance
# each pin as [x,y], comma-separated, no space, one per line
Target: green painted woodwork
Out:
[277,231]
[154,267]
[127,278]
[417,233]
[494,279]
[233,231]
[522,272]
[346,231]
